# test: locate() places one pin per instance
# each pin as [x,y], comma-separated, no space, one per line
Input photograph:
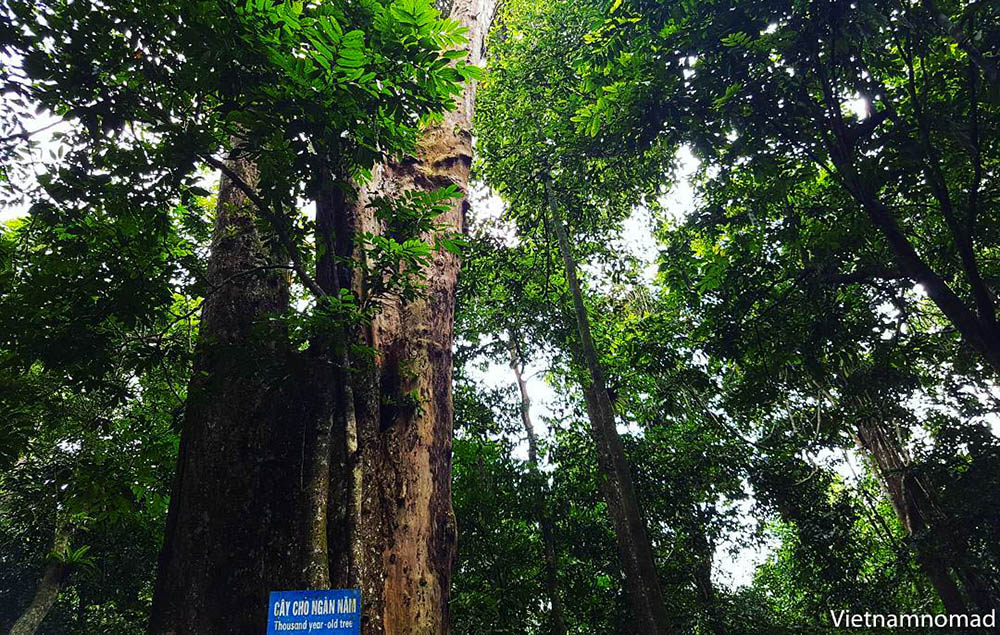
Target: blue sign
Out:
[335,611]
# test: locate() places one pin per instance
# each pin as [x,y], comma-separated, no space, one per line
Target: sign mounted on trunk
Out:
[328,612]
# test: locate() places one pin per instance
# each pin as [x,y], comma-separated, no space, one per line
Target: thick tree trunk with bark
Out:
[333,229]
[300,468]
[912,500]
[48,588]
[641,582]
[544,519]
[406,535]
[252,447]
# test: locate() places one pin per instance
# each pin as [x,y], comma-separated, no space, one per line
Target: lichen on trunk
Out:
[406,537]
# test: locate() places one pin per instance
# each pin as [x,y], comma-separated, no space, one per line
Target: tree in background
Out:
[90,440]
[542,170]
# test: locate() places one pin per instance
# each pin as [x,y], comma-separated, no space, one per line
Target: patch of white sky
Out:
[635,240]
[42,129]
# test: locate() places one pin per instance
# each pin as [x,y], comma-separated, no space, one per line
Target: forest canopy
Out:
[562,316]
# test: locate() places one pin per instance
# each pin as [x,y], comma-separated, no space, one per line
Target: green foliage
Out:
[785,319]
[102,474]
[525,135]
[304,90]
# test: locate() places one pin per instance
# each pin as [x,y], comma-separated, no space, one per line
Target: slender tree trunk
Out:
[406,537]
[544,519]
[704,555]
[47,591]
[636,553]
[252,447]
[914,508]
[333,229]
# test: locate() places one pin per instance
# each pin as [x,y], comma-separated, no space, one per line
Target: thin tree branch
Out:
[963,42]
[274,217]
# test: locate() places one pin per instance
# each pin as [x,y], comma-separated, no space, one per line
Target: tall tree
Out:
[544,516]
[635,550]
[553,179]
[406,534]
[235,527]
[280,90]
[809,330]
[874,96]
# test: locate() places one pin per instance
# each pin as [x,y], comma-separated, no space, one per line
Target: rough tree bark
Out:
[251,449]
[333,229]
[277,443]
[47,591]
[914,506]
[641,582]
[406,536]
[544,519]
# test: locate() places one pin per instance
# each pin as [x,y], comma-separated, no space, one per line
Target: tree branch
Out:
[963,42]
[863,274]
[961,234]
[274,217]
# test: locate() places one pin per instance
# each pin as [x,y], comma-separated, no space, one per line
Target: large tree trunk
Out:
[277,443]
[544,519]
[641,582]
[911,499]
[406,539]
[243,516]
[333,229]
[47,591]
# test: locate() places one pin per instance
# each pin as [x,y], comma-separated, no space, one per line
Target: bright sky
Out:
[46,144]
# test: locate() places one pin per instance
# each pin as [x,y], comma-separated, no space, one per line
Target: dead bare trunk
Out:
[641,582]
[252,447]
[544,519]
[406,538]
[48,588]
